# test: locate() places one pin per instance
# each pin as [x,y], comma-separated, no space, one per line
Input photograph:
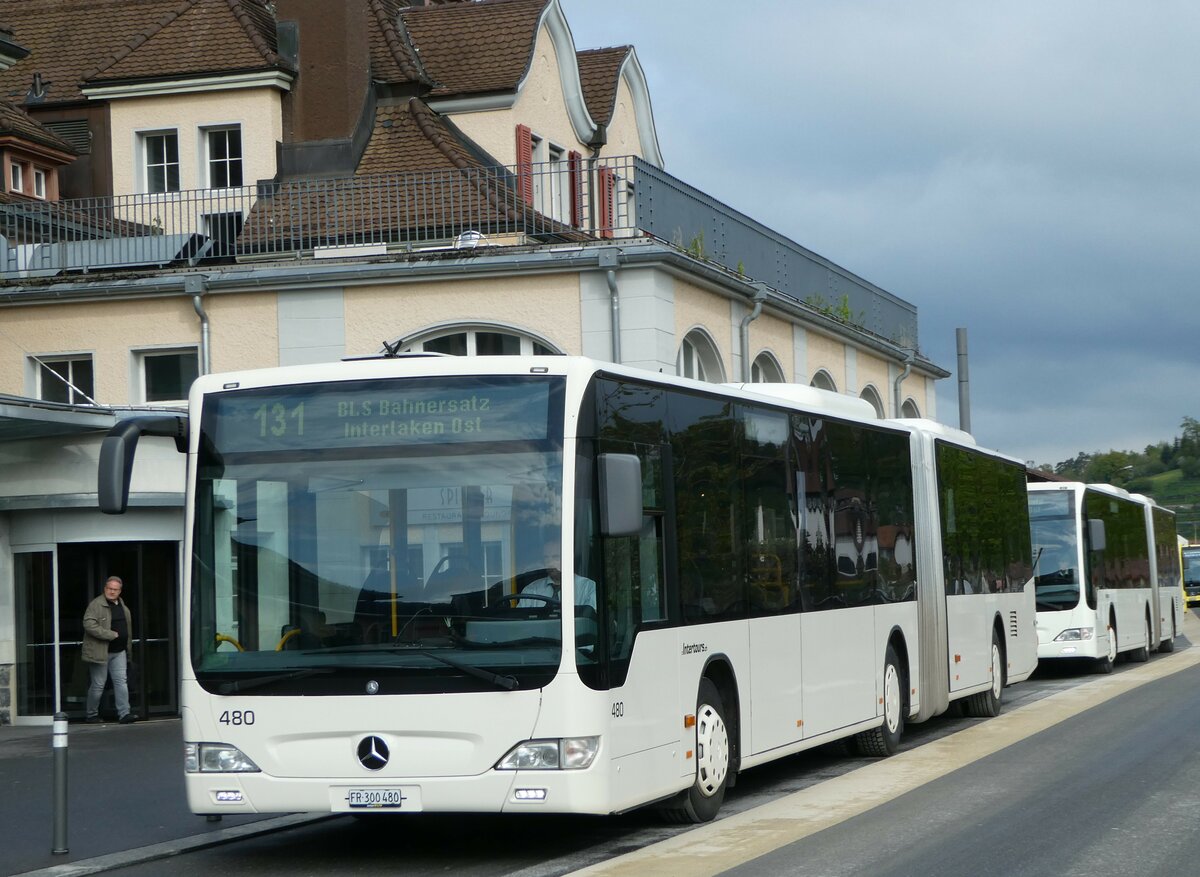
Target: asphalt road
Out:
[1004,814]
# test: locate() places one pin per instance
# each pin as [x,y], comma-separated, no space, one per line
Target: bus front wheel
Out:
[702,800]
[1105,664]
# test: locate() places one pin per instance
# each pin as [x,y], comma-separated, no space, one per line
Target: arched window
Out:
[909,409]
[478,341]
[766,370]
[872,395]
[822,380]
[698,358]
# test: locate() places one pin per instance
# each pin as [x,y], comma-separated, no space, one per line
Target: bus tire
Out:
[1168,645]
[1141,654]
[885,740]
[702,800]
[986,704]
[1105,665]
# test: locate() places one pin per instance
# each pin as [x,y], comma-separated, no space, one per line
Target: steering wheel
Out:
[516,598]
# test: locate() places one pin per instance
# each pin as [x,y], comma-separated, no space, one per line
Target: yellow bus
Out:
[1189,556]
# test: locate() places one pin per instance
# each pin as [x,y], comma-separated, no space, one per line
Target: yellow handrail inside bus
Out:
[222,638]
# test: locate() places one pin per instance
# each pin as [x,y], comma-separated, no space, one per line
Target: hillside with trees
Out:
[1168,471]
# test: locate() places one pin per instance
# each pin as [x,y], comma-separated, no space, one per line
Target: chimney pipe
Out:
[964,383]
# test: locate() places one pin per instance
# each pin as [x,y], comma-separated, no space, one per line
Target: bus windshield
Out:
[1055,540]
[370,537]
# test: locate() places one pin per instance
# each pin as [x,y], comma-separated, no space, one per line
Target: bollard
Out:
[60,784]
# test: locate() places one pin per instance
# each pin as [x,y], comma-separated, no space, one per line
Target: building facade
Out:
[454,177]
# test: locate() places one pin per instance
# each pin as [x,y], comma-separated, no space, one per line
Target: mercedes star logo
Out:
[373,753]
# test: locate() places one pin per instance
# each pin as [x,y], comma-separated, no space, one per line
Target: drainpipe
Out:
[609,259]
[195,286]
[908,362]
[760,296]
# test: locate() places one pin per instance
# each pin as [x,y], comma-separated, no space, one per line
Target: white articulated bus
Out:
[547,584]
[1103,569]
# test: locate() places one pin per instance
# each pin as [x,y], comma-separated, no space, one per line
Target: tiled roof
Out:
[599,70]
[197,36]
[70,40]
[410,136]
[392,58]
[474,48]
[16,122]
[418,181]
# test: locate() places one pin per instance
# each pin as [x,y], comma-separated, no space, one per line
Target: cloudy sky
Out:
[1029,171]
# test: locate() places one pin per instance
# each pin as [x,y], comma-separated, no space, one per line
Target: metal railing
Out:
[570,200]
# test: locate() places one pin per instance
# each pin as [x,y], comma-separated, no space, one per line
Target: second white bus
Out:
[1107,576]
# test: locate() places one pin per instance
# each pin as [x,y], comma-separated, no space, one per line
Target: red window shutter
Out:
[525,163]
[574,168]
[607,187]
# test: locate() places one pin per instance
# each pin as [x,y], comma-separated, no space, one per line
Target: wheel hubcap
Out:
[712,750]
[891,698]
[1112,643]
[997,676]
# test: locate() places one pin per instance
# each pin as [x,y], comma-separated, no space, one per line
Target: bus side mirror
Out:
[620,495]
[117,452]
[1096,536]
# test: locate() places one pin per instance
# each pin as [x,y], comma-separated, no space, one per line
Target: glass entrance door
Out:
[149,571]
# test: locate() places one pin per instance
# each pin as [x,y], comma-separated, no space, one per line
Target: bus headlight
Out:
[566,753]
[1074,635]
[216,758]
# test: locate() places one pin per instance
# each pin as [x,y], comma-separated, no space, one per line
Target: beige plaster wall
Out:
[257,110]
[106,330]
[774,336]
[623,137]
[698,307]
[244,328]
[874,371]
[540,105]
[828,354]
[541,305]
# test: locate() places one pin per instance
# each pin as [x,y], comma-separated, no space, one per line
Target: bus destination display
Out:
[348,415]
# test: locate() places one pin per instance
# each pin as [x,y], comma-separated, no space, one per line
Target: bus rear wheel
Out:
[885,740]
[1141,654]
[986,704]
[1168,645]
[701,802]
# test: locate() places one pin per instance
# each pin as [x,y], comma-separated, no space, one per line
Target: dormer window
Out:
[16,177]
[160,156]
[224,157]
[39,183]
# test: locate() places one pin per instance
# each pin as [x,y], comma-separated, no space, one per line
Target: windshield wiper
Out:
[259,681]
[508,683]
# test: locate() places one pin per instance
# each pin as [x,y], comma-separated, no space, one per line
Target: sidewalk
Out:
[125,792]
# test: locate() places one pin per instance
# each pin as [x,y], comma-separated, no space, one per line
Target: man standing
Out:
[106,626]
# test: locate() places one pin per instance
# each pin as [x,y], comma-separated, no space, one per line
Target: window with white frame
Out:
[822,380]
[39,183]
[766,370]
[480,342]
[698,359]
[551,180]
[160,161]
[223,157]
[67,379]
[167,375]
[16,177]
